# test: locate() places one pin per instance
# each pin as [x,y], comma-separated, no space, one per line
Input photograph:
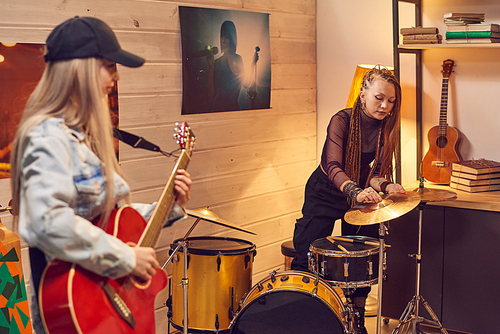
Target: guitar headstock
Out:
[447,68]
[184,137]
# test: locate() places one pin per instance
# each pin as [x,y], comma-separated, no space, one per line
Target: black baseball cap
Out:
[84,37]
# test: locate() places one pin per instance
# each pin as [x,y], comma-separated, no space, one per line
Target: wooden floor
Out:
[371,326]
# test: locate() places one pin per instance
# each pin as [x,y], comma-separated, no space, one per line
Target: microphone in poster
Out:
[203,53]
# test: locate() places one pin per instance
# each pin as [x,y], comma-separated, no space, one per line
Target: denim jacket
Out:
[62,190]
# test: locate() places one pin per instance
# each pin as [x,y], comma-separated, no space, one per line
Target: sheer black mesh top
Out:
[334,149]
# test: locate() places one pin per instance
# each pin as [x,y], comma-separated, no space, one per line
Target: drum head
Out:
[215,246]
[291,312]
[327,246]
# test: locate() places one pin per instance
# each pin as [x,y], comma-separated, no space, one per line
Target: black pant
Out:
[323,205]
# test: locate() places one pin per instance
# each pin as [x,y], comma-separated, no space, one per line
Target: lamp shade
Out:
[361,70]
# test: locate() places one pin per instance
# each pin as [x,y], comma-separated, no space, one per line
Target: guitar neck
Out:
[152,231]
[443,122]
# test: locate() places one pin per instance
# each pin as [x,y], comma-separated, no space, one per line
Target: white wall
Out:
[351,33]
[474,86]
[356,32]
[348,33]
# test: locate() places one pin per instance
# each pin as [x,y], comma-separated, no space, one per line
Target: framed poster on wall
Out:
[226,60]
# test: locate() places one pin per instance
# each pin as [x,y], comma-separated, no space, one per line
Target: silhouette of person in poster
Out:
[226,73]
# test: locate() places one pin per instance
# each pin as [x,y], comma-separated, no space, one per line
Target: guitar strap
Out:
[37,264]
[134,141]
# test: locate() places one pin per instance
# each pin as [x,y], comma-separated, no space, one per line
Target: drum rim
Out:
[339,253]
[200,251]
[289,273]
[352,284]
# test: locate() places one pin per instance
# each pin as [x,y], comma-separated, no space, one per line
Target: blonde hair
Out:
[388,135]
[70,89]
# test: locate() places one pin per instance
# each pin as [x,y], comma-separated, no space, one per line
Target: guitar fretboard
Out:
[152,231]
[443,123]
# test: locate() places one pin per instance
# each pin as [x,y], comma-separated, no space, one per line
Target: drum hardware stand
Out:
[382,231]
[410,314]
[184,282]
[349,312]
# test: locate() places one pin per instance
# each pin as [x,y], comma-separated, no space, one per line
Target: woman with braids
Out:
[356,165]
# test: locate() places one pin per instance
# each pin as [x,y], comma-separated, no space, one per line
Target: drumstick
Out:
[342,248]
[372,243]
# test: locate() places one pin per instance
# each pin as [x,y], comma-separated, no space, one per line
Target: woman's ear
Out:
[362,95]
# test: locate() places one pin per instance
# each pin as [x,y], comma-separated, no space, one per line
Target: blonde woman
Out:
[65,176]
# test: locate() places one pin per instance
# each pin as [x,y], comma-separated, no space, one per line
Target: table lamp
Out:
[361,70]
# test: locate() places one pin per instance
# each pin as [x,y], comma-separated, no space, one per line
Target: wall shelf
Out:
[447,46]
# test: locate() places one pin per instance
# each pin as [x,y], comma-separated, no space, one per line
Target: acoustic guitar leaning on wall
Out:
[444,140]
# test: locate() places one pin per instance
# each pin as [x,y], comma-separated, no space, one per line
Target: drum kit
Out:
[222,300]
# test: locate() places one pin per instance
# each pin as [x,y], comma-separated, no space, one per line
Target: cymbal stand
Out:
[410,314]
[381,262]
[184,282]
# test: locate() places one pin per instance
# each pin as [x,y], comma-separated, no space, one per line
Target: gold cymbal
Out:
[433,195]
[392,206]
[205,214]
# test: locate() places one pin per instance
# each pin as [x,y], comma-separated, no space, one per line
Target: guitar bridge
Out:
[440,163]
[119,305]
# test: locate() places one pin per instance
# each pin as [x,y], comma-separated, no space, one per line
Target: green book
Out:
[471,34]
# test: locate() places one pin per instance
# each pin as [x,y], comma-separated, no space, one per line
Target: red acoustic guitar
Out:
[444,140]
[74,300]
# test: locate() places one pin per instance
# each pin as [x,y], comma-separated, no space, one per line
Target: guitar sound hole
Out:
[441,142]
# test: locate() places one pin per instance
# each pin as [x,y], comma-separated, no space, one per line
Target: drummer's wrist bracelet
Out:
[383,186]
[352,190]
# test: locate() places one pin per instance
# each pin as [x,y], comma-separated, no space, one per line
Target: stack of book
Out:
[473,33]
[462,18]
[470,28]
[421,35]
[475,175]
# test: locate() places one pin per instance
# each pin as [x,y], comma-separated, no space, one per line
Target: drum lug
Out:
[219,261]
[370,268]
[247,260]
[346,269]
[324,268]
[316,281]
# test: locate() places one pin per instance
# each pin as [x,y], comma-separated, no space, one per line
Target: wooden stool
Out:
[289,252]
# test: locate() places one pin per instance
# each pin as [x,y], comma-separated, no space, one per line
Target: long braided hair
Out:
[388,135]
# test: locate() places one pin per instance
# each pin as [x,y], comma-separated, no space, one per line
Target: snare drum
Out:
[219,274]
[291,302]
[356,268]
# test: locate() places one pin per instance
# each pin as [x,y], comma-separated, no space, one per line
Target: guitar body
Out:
[72,299]
[443,151]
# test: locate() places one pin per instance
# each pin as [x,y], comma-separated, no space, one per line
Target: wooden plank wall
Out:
[249,167]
